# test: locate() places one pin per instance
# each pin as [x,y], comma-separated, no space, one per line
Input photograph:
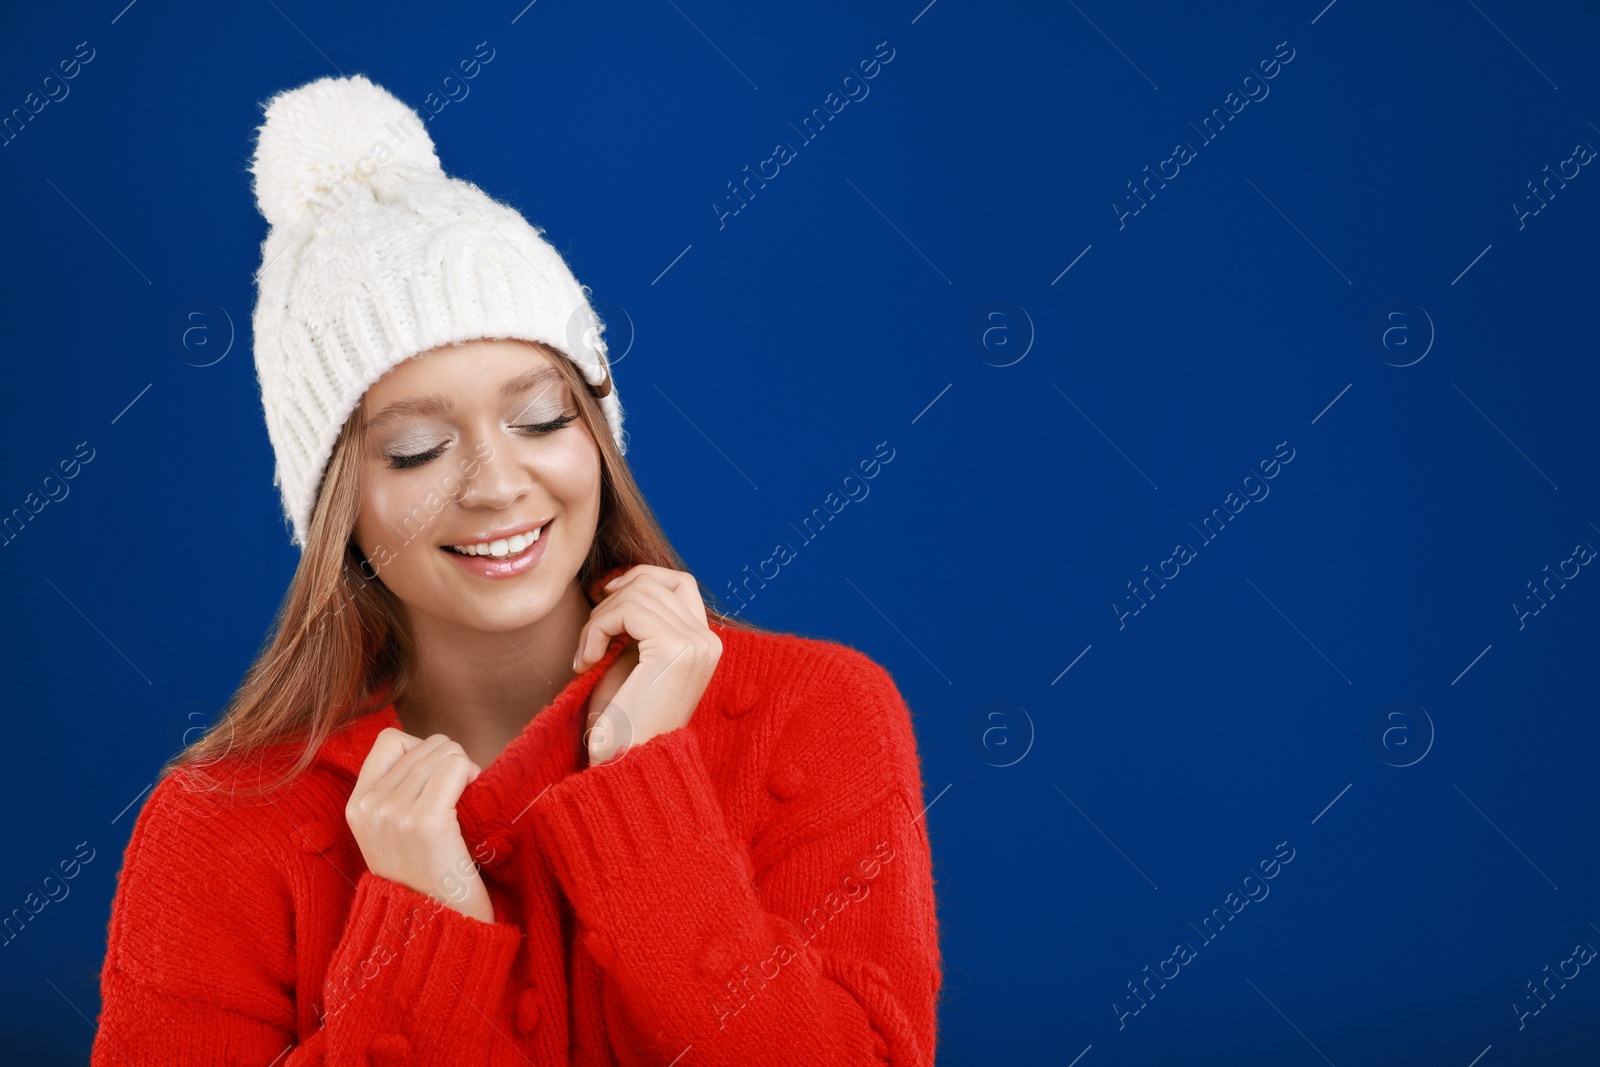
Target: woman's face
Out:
[472,444]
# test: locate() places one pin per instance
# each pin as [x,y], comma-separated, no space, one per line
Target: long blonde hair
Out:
[340,646]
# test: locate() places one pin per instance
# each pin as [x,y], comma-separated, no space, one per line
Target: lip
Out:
[510,566]
[496,535]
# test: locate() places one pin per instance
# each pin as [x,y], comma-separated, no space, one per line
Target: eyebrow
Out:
[435,404]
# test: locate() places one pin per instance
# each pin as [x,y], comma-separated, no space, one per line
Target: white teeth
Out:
[506,546]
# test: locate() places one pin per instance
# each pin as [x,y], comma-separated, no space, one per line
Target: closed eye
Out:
[551,426]
[418,459]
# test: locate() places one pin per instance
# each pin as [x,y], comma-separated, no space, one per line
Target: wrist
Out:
[475,905]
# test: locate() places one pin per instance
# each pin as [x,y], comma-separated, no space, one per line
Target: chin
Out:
[519,603]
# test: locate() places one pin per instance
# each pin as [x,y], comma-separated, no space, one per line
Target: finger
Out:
[665,575]
[687,636]
[597,632]
[630,615]
[380,789]
[580,661]
[647,572]
[406,792]
[668,603]
[624,579]
[594,636]
[681,585]
[387,750]
[656,629]
[445,785]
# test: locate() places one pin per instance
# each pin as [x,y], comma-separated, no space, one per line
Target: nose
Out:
[496,482]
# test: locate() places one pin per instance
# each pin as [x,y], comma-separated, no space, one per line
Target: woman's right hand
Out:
[402,812]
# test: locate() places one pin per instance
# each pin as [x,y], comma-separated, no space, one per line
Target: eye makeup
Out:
[397,454]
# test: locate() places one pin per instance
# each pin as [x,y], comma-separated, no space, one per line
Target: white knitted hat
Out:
[374,255]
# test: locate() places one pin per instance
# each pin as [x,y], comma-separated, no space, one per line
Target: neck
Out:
[482,688]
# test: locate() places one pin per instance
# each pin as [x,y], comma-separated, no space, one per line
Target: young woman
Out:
[504,786]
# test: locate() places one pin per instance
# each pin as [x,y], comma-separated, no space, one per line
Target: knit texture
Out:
[375,255]
[753,888]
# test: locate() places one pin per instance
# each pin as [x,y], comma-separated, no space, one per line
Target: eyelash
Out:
[417,460]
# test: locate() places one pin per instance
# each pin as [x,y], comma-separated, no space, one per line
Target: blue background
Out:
[1054,431]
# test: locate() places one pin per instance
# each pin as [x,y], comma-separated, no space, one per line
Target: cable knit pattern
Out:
[754,888]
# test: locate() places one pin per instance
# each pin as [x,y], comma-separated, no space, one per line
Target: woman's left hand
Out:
[677,653]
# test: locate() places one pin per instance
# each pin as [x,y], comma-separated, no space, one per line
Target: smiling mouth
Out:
[506,548]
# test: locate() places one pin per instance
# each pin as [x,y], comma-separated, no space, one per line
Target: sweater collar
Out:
[548,749]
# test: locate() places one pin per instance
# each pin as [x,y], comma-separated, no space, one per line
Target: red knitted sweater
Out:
[753,888]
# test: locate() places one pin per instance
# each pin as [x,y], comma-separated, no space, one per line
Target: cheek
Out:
[377,502]
[572,472]
[396,514]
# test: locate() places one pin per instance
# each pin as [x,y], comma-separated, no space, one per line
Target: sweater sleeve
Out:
[200,965]
[818,943]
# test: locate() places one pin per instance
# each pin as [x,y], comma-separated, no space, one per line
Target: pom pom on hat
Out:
[332,134]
